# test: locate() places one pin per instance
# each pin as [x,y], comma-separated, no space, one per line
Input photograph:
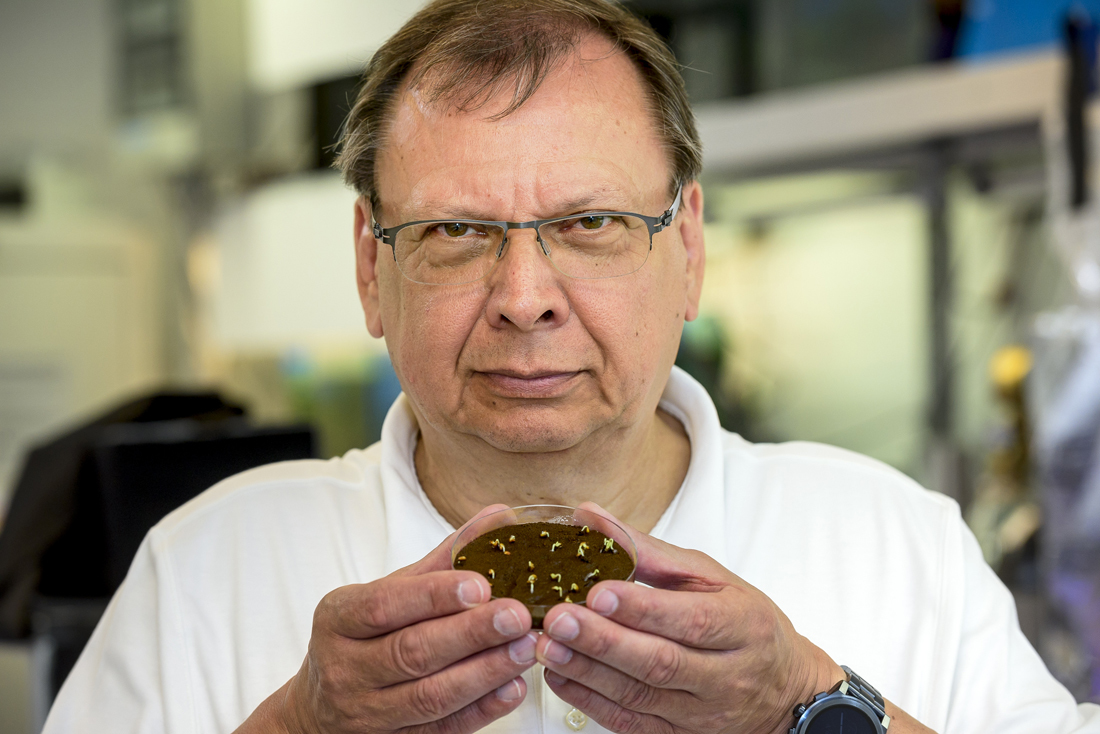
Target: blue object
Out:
[993,27]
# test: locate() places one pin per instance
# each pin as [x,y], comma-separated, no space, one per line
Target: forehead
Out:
[587,131]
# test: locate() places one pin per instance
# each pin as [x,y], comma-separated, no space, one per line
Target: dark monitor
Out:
[147,470]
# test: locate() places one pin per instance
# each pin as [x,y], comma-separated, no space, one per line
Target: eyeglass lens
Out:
[589,246]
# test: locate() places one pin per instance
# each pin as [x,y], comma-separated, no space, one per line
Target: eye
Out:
[456,229]
[594,222]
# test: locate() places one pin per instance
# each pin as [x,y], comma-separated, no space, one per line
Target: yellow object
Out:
[1010,365]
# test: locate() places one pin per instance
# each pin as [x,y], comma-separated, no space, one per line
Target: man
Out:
[529,243]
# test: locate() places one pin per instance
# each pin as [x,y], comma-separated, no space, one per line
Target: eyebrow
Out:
[572,206]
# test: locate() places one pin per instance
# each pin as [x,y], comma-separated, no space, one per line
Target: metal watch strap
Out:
[863,690]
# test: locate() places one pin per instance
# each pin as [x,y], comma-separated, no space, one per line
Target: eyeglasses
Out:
[590,245]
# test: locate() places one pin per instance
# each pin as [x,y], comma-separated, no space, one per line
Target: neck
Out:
[634,473]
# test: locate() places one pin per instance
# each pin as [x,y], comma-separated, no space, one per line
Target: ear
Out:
[366,271]
[691,233]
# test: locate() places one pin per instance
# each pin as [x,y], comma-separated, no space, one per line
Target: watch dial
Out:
[842,720]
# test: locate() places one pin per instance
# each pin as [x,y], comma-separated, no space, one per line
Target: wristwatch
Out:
[853,706]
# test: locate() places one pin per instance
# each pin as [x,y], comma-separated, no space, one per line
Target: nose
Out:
[525,289]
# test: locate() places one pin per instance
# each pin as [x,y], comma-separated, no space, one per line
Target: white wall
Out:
[55,92]
[826,312]
[294,43]
[286,268]
[827,309]
[79,316]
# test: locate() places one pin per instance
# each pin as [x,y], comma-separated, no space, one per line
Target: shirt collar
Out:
[694,519]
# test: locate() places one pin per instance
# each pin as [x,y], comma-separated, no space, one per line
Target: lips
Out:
[536,384]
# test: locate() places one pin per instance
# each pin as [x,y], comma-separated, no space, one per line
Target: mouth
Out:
[537,384]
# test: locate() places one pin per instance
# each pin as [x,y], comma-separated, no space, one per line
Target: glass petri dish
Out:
[554,515]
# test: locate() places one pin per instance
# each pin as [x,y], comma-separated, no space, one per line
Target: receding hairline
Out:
[437,79]
[432,83]
[489,46]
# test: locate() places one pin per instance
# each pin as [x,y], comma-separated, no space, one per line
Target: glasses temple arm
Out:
[670,213]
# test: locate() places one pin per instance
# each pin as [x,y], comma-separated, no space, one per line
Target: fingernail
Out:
[469,593]
[604,602]
[522,651]
[564,627]
[510,691]
[507,623]
[558,653]
[554,679]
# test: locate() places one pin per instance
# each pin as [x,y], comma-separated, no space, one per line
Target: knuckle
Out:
[603,642]
[453,724]
[332,683]
[637,697]
[703,623]
[624,721]
[474,631]
[765,624]
[663,666]
[374,613]
[429,699]
[409,652]
[647,612]
[326,610]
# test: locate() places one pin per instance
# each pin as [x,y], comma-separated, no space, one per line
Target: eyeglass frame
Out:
[387,235]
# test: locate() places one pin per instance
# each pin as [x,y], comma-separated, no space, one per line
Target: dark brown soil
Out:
[542,563]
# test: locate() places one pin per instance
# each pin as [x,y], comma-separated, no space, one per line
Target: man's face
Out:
[528,359]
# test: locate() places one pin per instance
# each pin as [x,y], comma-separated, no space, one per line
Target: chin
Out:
[540,434]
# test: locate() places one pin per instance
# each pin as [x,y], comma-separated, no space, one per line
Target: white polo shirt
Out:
[883,575]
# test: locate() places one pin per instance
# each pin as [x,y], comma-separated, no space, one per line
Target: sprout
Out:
[544,534]
[594,575]
[460,560]
[581,549]
[554,547]
[559,590]
[531,582]
[608,546]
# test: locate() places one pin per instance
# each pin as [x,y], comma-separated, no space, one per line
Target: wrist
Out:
[270,716]
[290,718]
[819,673]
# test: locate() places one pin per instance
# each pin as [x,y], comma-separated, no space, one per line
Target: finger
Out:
[696,619]
[365,611]
[628,692]
[481,712]
[450,690]
[649,658]
[667,566]
[606,712]
[439,559]
[421,649]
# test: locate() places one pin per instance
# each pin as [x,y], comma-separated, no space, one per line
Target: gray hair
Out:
[466,51]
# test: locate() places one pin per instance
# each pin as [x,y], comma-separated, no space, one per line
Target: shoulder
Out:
[812,498]
[818,471]
[303,486]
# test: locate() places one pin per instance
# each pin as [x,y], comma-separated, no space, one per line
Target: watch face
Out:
[843,720]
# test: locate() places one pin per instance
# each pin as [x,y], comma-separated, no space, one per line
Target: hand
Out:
[421,650]
[702,651]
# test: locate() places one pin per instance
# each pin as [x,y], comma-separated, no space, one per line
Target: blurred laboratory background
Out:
[903,260]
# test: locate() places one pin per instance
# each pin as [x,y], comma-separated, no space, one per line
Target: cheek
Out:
[634,322]
[426,330]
